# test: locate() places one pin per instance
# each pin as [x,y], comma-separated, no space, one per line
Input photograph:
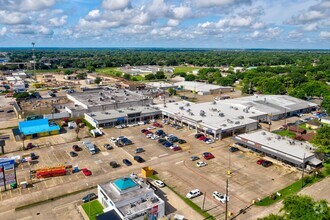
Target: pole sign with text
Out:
[7,171]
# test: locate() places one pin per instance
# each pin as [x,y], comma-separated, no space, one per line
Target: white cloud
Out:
[258,25]
[325,34]
[26,5]
[94,14]
[3,31]
[13,18]
[295,34]
[32,30]
[58,22]
[173,22]
[116,4]
[311,27]
[306,17]
[182,12]
[215,3]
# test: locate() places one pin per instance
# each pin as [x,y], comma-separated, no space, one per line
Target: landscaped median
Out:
[293,188]
[92,209]
[188,202]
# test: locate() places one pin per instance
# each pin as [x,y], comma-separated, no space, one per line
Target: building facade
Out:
[131,198]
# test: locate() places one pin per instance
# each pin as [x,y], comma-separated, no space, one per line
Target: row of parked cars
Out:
[166,140]
[154,123]
[202,137]
[216,195]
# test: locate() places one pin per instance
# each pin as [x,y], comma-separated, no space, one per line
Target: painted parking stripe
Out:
[163,155]
[179,162]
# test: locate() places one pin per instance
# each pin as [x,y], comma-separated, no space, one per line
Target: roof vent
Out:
[214,102]
[202,113]
[241,117]
[181,107]
[187,104]
[236,108]
[237,122]
[221,114]
[263,133]
[224,125]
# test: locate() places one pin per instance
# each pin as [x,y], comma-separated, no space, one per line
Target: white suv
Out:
[219,197]
[193,193]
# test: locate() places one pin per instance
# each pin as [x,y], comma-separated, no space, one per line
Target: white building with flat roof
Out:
[203,88]
[285,149]
[131,198]
[161,85]
[276,106]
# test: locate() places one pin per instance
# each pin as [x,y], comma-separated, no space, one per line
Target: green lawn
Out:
[285,133]
[112,71]
[185,69]
[94,209]
[293,188]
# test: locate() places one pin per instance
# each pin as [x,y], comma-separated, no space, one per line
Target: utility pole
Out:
[226,217]
[303,171]
[34,61]
[204,200]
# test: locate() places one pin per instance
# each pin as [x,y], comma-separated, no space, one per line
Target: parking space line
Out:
[163,155]
[179,162]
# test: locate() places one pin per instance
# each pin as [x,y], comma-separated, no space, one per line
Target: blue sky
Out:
[166,23]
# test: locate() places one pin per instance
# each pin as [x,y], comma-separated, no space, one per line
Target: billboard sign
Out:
[7,171]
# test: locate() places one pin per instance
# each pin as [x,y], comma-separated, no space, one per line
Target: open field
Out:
[185,69]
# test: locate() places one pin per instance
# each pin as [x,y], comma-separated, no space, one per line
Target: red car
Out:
[201,138]
[147,132]
[156,124]
[86,171]
[176,148]
[208,155]
[260,161]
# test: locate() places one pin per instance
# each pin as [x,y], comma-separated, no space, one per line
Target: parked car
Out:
[147,132]
[233,149]
[107,146]
[156,124]
[10,111]
[154,137]
[159,183]
[176,148]
[181,141]
[193,193]
[89,197]
[149,135]
[113,139]
[30,146]
[201,138]
[159,132]
[139,150]
[260,161]
[267,163]
[141,123]
[73,154]
[138,159]
[33,156]
[143,130]
[161,141]
[151,128]
[219,197]
[127,162]
[114,164]
[193,158]
[173,139]
[119,127]
[208,140]
[198,135]
[86,172]
[208,155]
[1,110]
[201,164]
[167,144]
[76,148]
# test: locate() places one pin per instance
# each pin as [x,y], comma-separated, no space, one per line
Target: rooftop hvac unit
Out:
[181,107]
[187,104]
[237,122]
[214,102]
[188,110]
[221,114]
[107,113]
[231,106]
[223,125]
[202,113]
[89,100]
[269,138]
[236,108]
[190,113]
[241,117]
[263,133]
[278,137]
[176,103]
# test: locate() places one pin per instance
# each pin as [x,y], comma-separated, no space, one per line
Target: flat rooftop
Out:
[278,144]
[216,115]
[272,104]
[199,86]
[160,84]
[135,195]
[123,112]
[106,96]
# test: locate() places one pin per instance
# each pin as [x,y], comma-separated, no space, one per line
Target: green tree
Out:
[160,75]
[149,76]
[322,139]
[97,80]
[272,217]
[21,95]
[326,103]
[190,77]
[127,76]
[91,69]
[172,91]
[68,72]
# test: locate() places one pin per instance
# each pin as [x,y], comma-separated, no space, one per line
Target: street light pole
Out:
[226,217]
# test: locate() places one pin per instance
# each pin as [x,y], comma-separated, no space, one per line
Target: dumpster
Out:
[13,185]
[146,172]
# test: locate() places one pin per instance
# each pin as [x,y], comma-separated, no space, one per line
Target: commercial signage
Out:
[7,171]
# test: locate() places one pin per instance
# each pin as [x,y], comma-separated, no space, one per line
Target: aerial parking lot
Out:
[248,180]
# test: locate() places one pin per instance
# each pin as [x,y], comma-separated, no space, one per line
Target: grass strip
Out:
[193,205]
[92,209]
[292,189]
[52,199]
